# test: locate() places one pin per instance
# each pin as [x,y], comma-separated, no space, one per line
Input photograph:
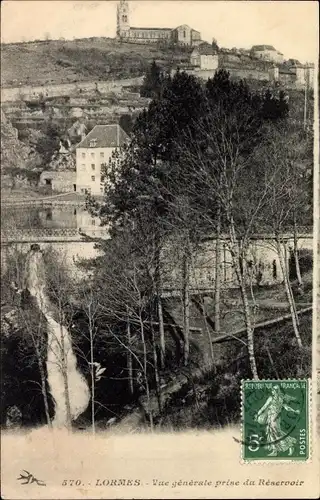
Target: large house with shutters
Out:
[93,153]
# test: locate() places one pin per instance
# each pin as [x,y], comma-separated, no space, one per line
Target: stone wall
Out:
[248,74]
[29,92]
[262,263]
[263,255]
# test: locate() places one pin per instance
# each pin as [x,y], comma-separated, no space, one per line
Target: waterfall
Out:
[63,377]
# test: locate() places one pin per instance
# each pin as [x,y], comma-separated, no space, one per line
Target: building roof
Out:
[183,27]
[150,29]
[106,136]
[262,47]
[206,49]
[293,62]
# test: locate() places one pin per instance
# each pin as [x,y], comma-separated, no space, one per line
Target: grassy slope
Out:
[58,61]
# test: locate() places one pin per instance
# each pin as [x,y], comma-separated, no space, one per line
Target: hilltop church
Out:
[182,35]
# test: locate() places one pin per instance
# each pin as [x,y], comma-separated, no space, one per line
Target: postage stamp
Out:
[275,420]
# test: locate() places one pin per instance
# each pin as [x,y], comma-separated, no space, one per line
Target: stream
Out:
[67,385]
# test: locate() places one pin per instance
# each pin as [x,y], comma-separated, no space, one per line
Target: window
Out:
[83,166]
[93,166]
[92,155]
[101,154]
[93,222]
[49,214]
[93,178]
[82,190]
[101,190]
[93,143]
[83,155]
[184,34]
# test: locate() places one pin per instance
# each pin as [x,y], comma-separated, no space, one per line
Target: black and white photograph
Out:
[159,255]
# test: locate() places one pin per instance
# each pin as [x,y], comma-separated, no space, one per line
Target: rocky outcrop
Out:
[13,152]
[60,162]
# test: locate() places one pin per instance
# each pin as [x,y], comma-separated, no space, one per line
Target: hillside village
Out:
[48,120]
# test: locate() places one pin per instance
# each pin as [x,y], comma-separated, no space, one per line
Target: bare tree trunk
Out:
[217,284]
[286,264]
[36,341]
[155,362]
[43,387]
[129,356]
[237,259]
[65,378]
[249,328]
[288,292]
[145,372]
[161,331]
[186,305]
[204,313]
[295,252]
[159,304]
[271,362]
[91,334]
[255,305]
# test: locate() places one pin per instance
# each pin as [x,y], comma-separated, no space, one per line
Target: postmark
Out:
[275,420]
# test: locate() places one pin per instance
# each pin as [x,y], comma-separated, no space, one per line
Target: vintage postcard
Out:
[159,249]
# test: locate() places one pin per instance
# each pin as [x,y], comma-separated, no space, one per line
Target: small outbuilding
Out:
[63,182]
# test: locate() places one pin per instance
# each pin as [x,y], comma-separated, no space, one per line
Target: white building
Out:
[204,57]
[93,153]
[305,74]
[267,53]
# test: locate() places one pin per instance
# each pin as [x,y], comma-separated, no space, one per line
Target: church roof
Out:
[151,29]
[105,136]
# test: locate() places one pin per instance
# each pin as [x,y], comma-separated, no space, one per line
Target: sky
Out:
[290,26]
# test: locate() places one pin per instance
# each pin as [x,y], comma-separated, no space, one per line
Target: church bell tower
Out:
[123,26]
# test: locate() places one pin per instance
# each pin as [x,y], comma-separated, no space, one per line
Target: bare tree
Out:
[126,291]
[225,171]
[288,166]
[34,324]
[87,302]
[34,330]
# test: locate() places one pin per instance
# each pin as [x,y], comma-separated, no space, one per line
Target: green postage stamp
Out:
[275,420]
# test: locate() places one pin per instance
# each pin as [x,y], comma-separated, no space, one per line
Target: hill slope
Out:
[60,61]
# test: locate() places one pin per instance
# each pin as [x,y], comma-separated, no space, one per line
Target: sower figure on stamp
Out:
[270,416]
